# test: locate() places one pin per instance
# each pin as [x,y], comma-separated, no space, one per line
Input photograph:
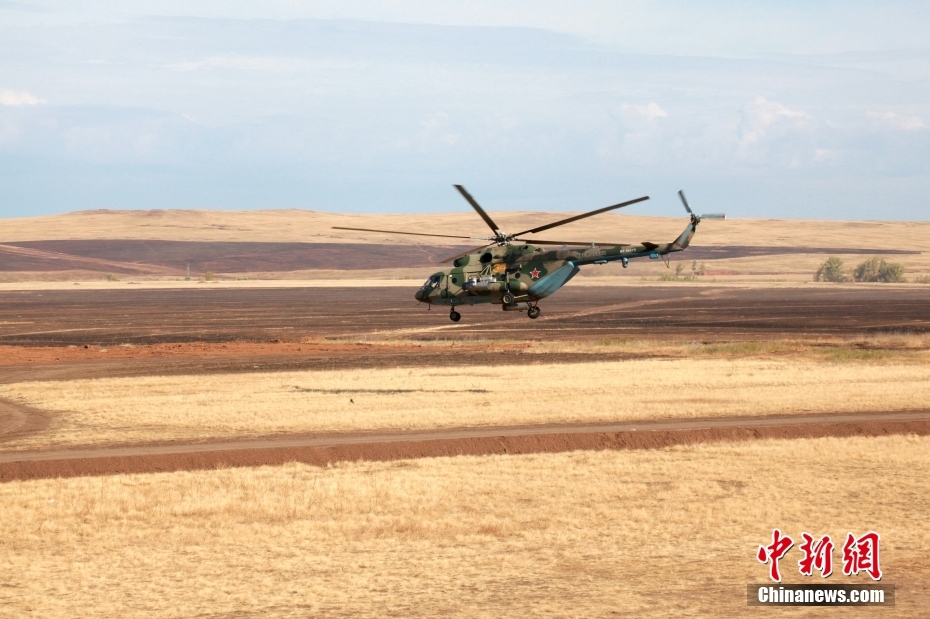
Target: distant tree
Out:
[112,278]
[208,276]
[831,271]
[892,272]
[867,271]
[877,270]
[678,269]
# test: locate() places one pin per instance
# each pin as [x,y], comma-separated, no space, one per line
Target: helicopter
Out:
[517,273]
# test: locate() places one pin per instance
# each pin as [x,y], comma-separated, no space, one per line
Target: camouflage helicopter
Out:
[515,273]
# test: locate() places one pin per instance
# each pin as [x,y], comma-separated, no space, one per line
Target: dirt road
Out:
[326,449]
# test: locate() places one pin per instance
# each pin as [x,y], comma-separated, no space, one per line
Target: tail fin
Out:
[685,239]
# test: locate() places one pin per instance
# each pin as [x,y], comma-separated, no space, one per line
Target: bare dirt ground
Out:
[109,318]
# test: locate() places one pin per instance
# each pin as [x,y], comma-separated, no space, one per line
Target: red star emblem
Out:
[534,273]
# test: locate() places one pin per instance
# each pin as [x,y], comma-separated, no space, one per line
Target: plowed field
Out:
[61,318]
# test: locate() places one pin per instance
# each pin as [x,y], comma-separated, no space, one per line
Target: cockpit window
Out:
[432,282]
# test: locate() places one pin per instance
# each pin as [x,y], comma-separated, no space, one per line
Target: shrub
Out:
[208,276]
[112,278]
[877,270]
[831,271]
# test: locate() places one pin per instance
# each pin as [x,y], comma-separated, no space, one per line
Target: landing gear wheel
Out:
[454,316]
[507,298]
[533,312]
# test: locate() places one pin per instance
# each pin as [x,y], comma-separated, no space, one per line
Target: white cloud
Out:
[360,101]
[19,97]
[908,123]
[759,116]
[651,111]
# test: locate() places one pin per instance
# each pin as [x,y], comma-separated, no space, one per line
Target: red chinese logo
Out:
[817,556]
[861,555]
[534,273]
[774,552]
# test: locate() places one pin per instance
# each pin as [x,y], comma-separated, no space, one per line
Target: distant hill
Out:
[163,243]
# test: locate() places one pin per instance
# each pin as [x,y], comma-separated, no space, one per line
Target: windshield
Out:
[432,282]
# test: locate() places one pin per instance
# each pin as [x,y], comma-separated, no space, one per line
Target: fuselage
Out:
[515,273]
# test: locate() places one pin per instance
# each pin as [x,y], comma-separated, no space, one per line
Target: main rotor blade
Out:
[487,219]
[536,242]
[562,222]
[448,236]
[681,194]
[465,253]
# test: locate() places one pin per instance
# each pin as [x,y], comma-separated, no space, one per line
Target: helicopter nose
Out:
[419,294]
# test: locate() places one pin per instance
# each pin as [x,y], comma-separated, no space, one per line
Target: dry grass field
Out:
[750,378]
[665,533]
[313,226]
[316,227]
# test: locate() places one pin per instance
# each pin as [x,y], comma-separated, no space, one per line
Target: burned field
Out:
[113,317]
[174,258]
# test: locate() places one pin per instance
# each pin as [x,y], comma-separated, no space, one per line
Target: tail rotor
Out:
[697,218]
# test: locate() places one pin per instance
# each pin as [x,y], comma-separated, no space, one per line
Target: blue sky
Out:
[788,109]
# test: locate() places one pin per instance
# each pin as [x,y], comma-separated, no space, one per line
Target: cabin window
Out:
[486,257]
[455,280]
[516,275]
